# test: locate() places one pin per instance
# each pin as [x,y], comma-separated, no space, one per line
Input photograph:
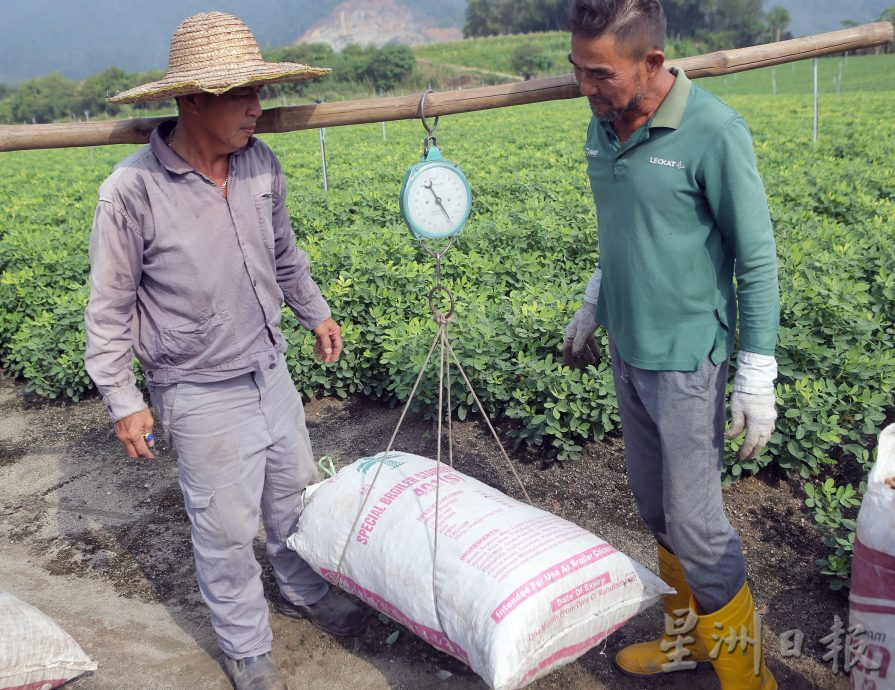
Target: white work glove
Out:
[752,402]
[579,348]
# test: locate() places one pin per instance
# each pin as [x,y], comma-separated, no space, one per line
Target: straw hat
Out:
[215,52]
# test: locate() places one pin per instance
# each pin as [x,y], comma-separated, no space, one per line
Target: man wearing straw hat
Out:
[192,257]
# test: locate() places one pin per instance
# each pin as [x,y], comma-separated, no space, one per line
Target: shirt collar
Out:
[671,110]
[158,142]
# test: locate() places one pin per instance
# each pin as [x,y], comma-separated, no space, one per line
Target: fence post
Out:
[87,119]
[814,139]
[323,151]
[323,158]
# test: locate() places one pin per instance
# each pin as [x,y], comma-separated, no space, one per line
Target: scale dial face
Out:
[437,201]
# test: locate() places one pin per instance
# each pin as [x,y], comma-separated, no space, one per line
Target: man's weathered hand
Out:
[755,414]
[329,341]
[579,348]
[130,432]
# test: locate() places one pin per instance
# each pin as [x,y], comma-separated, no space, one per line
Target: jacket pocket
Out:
[205,342]
[264,209]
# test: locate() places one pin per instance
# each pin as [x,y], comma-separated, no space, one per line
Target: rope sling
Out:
[447,355]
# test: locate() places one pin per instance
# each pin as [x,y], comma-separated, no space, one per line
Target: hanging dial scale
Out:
[435,195]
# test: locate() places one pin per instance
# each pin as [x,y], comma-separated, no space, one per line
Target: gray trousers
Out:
[242,445]
[673,427]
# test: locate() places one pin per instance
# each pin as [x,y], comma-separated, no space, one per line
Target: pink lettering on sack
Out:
[581,590]
[368,524]
[548,577]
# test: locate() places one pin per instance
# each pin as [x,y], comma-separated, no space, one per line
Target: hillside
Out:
[494,53]
[377,22]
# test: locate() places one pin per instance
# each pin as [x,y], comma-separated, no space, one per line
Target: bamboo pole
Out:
[288,119]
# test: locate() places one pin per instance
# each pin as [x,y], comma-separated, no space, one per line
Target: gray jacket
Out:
[191,282]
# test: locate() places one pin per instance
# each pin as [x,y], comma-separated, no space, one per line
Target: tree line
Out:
[53,97]
[713,24]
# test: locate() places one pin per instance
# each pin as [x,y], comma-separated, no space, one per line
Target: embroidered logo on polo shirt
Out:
[590,153]
[668,164]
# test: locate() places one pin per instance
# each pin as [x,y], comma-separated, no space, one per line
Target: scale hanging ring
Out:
[441,317]
[429,130]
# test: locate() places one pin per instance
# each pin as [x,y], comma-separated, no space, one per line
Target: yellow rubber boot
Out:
[658,656]
[730,635]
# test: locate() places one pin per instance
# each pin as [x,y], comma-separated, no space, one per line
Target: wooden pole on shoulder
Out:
[289,119]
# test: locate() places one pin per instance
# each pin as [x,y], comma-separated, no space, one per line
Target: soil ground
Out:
[101,543]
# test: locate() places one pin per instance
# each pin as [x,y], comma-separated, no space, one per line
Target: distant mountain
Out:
[378,22]
[83,37]
[818,16]
[440,13]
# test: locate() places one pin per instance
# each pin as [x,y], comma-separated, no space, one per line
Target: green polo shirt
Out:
[681,209]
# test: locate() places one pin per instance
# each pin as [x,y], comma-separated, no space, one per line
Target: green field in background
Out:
[836,74]
[495,53]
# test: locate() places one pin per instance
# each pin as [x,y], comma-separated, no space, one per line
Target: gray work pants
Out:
[673,427]
[242,444]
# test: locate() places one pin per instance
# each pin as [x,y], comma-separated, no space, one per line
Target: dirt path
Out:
[101,544]
[463,69]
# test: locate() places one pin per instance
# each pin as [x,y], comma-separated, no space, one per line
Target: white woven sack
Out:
[519,591]
[35,653]
[872,598]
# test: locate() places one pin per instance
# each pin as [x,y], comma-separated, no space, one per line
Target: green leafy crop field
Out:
[835,76]
[518,272]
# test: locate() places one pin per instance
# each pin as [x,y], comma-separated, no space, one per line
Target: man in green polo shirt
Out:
[682,212]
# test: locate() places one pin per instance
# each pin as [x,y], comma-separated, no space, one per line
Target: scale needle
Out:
[430,187]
